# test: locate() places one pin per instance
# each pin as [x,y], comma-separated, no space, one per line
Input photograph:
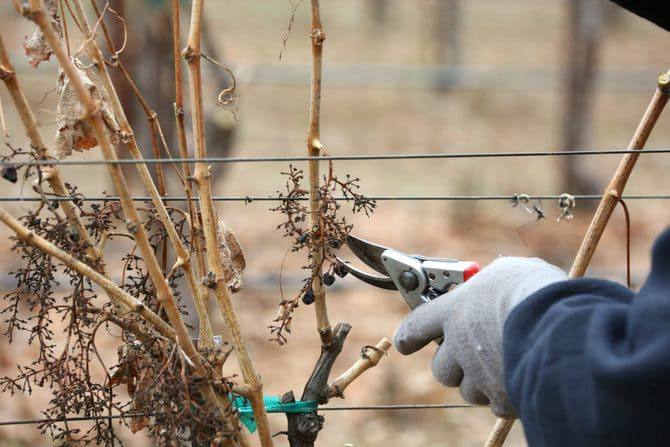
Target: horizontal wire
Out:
[71,419]
[328,408]
[397,407]
[362,157]
[250,199]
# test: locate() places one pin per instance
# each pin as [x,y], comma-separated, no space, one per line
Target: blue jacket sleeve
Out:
[653,10]
[587,362]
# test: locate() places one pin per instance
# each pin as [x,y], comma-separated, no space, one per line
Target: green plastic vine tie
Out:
[273,404]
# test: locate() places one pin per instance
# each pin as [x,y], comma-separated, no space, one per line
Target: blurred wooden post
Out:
[147,55]
[447,32]
[446,40]
[585,19]
[379,11]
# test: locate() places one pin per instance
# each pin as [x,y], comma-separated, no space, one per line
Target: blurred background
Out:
[399,77]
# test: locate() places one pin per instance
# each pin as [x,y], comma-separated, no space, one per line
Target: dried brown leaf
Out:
[36,47]
[126,375]
[75,132]
[232,257]
[145,380]
[139,423]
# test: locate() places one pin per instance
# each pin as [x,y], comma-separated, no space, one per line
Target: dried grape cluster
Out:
[152,376]
[327,235]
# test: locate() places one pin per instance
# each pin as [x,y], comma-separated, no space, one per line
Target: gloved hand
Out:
[471,319]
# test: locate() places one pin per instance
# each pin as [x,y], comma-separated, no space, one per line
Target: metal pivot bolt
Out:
[409,280]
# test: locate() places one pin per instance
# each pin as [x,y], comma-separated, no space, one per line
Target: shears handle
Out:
[465,271]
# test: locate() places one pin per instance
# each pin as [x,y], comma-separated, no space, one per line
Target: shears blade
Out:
[368,252]
[382,282]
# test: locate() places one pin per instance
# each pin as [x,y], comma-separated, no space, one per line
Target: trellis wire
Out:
[391,407]
[250,199]
[360,157]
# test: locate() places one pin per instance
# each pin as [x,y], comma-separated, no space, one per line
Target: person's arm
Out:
[585,363]
[588,363]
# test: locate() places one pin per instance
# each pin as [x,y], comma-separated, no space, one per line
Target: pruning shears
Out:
[419,279]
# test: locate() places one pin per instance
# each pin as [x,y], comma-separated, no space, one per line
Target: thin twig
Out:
[115,293]
[202,176]
[133,223]
[183,256]
[314,148]
[3,124]
[8,75]
[66,34]
[616,186]
[135,227]
[150,115]
[196,227]
[370,357]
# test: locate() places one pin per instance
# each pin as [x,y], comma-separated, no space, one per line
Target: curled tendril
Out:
[227,98]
